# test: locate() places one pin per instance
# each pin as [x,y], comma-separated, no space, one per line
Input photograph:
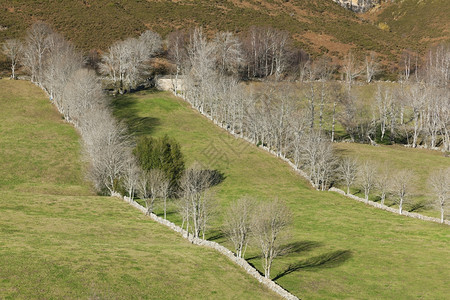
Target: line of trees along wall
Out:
[273,116]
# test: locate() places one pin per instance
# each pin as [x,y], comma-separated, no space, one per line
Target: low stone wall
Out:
[213,245]
[167,83]
[387,208]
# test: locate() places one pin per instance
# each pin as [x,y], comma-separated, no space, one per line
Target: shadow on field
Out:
[299,247]
[216,235]
[417,206]
[327,260]
[124,108]
[293,248]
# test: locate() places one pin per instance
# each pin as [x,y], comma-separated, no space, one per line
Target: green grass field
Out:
[60,241]
[345,249]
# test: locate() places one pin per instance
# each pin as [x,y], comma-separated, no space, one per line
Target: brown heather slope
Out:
[318,26]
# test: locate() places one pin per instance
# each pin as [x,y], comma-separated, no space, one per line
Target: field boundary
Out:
[387,208]
[305,176]
[270,284]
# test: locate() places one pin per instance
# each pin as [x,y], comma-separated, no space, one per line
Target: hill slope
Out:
[317,26]
[57,240]
[344,249]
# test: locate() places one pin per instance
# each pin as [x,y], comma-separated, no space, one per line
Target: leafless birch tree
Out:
[196,199]
[348,170]
[237,225]
[383,179]
[372,67]
[13,50]
[270,222]
[366,176]
[35,48]
[131,177]
[401,185]
[440,185]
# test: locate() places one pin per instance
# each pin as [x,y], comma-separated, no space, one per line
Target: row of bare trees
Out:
[397,184]
[58,68]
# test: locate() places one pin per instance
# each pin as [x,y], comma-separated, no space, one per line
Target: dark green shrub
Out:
[161,153]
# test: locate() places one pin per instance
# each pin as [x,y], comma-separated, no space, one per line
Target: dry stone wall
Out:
[387,208]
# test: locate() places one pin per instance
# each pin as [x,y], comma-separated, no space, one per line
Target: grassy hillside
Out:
[317,26]
[344,249]
[58,240]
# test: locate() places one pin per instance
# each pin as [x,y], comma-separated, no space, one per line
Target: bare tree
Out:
[318,155]
[62,60]
[200,70]
[131,177]
[266,51]
[177,53]
[228,52]
[164,192]
[13,49]
[82,93]
[123,64]
[383,178]
[270,222]
[152,43]
[417,98]
[325,69]
[372,67]
[352,69]
[401,186]
[35,48]
[366,176]
[384,103]
[440,185]
[196,202]
[143,188]
[237,225]
[157,185]
[107,144]
[348,169]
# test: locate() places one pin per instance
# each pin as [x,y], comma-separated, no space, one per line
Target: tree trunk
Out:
[165,209]
[333,122]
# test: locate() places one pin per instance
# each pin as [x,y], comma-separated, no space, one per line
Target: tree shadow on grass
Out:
[293,248]
[124,108]
[216,235]
[299,247]
[417,205]
[328,260]
[168,213]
